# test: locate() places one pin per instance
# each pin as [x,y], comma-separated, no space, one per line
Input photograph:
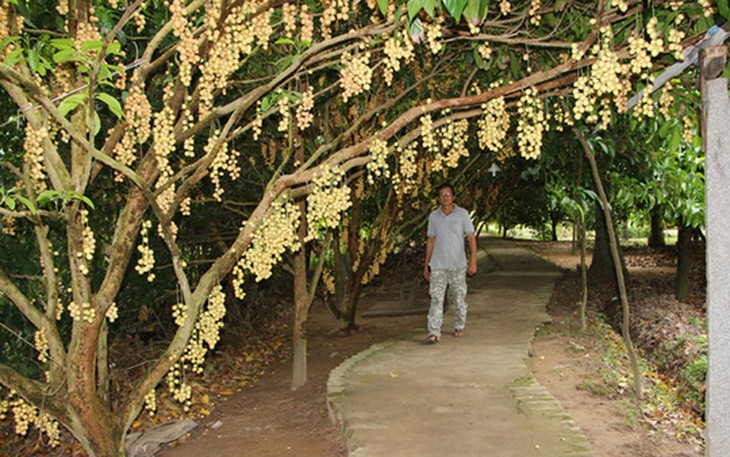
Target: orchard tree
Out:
[135,114]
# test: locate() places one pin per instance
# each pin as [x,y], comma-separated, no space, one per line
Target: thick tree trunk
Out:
[656,233]
[602,268]
[684,262]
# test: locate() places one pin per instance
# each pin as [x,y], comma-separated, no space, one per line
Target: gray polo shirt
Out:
[448,232]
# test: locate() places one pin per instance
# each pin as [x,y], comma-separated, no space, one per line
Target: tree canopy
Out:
[141,123]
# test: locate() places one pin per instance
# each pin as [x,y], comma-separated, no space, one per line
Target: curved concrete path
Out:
[470,396]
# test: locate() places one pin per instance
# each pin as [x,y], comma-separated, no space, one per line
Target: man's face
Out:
[446,196]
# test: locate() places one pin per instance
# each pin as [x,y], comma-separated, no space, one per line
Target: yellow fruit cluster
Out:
[33,146]
[329,199]
[433,37]
[234,40]
[378,164]
[387,243]
[276,234]
[454,136]
[407,177]
[306,32]
[328,281]
[257,122]
[674,40]
[88,243]
[428,139]
[708,8]
[535,18]
[41,344]
[26,415]
[164,137]
[621,5]
[81,313]
[150,402]
[304,110]
[493,126]
[180,313]
[112,313]
[146,262]
[138,114]
[604,85]
[289,18]
[62,7]
[211,321]
[396,50]
[505,7]
[283,105]
[187,48]
[688,133]
[531,124]
[666,100]
[180,390]
[485,51]
[226,161]
[8,225]
[355,76]
[645,106]
[139,18]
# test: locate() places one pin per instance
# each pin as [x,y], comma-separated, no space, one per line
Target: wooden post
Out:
[716,144]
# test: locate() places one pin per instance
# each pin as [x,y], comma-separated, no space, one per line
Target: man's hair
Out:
[445,185]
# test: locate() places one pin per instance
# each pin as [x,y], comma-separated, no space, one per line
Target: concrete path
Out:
[470,396]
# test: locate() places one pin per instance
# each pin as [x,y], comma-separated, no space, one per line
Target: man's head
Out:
[445,193]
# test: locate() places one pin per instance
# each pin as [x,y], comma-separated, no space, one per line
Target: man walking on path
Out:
[446,263]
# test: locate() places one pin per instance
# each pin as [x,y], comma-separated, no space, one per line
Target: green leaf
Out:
[86,200]
[91,45]
[474,10]
[383,5]
[28,204]
[675,139]
[97,123]
[414,6]
[13,57]
[10,203]
[114,106]
[66,55]
[455,8]
[113,48]
[33,60]
[285,41]
[430,7]
[71,102]
[63,43]
[415,30]
[46,197]
[4,43]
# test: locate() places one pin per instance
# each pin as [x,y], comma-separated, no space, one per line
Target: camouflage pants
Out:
[455,280]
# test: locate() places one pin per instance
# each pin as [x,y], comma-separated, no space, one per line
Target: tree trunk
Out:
[684,262]
[617,262]
[602,268]
[625,231]
[301,307]
[656,234]
[581,226]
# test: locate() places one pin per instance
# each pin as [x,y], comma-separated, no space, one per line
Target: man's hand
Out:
[426,273]
[471,270]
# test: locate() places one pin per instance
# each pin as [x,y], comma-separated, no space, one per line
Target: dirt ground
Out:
[277,421]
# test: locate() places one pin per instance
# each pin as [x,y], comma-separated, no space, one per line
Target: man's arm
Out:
[429,251]
[471,270]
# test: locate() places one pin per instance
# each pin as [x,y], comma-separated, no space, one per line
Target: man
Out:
[446,263]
